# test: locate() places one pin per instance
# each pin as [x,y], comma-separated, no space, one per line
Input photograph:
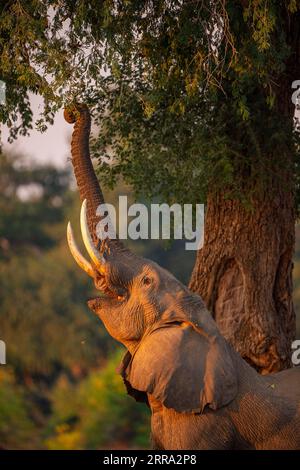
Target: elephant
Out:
[201,393]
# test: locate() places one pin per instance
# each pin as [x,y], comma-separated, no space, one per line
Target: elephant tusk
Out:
[80,260]
[98,260]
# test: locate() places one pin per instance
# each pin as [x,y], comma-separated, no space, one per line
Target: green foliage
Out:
[29,52]
[97,413]
[182,91]
[31,201]
[179,112]
[41,288]
[45,294]
[15,424]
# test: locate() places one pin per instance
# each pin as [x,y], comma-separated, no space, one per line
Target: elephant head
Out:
[175,351]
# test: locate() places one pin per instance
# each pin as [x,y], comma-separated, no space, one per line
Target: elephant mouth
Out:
[105,300]
[108,290]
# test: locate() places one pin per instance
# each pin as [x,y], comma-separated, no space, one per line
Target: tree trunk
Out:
[244,274]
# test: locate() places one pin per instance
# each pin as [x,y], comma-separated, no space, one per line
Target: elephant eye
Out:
[147,281]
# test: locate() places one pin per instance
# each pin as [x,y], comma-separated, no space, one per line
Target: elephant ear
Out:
[183,368]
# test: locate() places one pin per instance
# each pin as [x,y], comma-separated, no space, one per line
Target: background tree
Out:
[194,98]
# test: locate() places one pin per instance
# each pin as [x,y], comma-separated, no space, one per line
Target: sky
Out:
[52,146]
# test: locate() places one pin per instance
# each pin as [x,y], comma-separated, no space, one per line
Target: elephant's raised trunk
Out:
[90,194]
[87,182]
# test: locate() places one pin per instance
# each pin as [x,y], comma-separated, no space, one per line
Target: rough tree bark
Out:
[244,274]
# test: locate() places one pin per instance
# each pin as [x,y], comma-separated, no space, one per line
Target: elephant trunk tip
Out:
[72,112]
[70,115]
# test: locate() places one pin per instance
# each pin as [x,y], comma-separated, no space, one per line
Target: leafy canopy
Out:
[182,91]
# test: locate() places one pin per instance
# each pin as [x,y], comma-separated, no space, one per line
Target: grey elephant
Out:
[201,393]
